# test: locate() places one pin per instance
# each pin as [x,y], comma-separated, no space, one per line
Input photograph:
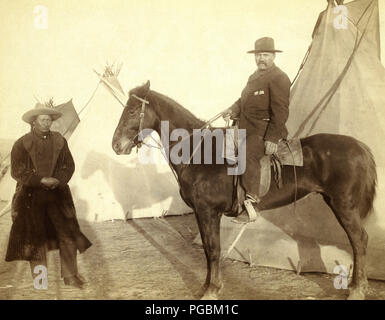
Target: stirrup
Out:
[250,209]
[253,198]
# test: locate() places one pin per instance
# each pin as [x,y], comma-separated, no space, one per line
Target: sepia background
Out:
[192,51]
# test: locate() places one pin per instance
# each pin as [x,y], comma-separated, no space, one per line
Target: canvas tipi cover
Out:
[341,90]
[107,186]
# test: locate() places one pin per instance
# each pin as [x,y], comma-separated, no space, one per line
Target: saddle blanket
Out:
[290,153]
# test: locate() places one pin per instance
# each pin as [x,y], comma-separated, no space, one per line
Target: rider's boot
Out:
[251,212]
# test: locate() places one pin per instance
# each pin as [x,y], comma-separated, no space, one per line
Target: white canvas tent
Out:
[107,186]
[340,90]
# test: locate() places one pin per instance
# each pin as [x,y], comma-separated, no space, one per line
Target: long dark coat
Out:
[263,107]
[31,228]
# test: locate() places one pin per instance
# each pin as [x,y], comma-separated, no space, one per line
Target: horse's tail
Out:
[370,183]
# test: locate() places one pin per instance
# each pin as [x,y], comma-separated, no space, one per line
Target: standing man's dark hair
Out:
[43,211]
[262,109]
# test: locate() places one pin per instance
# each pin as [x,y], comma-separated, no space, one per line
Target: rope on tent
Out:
[333,89]
[89,100]
[337,83]
[302,64]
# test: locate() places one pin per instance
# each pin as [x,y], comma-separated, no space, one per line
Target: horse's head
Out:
[138,114]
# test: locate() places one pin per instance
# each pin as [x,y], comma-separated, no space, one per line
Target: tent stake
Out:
[299,267]
[250,258]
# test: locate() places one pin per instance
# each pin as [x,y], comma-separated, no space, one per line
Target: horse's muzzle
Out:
[123,146]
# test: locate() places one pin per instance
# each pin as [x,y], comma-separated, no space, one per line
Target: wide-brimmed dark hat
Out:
[40,109]
[265,44]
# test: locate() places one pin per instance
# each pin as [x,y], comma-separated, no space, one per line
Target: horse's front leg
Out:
[209,227]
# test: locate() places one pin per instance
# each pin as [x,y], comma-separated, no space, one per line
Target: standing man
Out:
[43,211]
[262,109]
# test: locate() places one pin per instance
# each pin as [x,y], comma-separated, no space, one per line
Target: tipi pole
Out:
[235,241]
[115,94]
[6,209]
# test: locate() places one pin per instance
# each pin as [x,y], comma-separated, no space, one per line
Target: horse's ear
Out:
[147,86]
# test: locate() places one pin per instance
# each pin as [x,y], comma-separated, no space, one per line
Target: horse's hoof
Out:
[209,296]
[211,293]
[356,294]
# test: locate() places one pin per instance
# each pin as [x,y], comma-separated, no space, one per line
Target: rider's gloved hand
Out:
[226,115]
[270,147]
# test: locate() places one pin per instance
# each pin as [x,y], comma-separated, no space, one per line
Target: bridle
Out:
[139,144]
[141,118]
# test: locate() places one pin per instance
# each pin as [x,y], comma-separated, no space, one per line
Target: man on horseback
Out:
[262,110]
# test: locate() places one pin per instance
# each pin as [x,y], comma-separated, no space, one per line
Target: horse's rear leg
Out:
[351,222]
[360,278]
[209,227]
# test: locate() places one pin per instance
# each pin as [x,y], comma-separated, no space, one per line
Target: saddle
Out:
[289,154]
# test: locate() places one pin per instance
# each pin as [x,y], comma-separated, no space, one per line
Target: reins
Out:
[159,146]
[206,124]
[141,117]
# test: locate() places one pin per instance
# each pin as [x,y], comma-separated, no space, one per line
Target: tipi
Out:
[106,186]
[340,90]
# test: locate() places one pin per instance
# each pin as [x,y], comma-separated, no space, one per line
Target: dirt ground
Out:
[156,259]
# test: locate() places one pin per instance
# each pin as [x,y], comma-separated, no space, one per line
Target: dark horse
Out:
[338,167]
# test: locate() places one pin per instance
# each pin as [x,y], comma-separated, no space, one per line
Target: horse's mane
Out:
[188,116]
